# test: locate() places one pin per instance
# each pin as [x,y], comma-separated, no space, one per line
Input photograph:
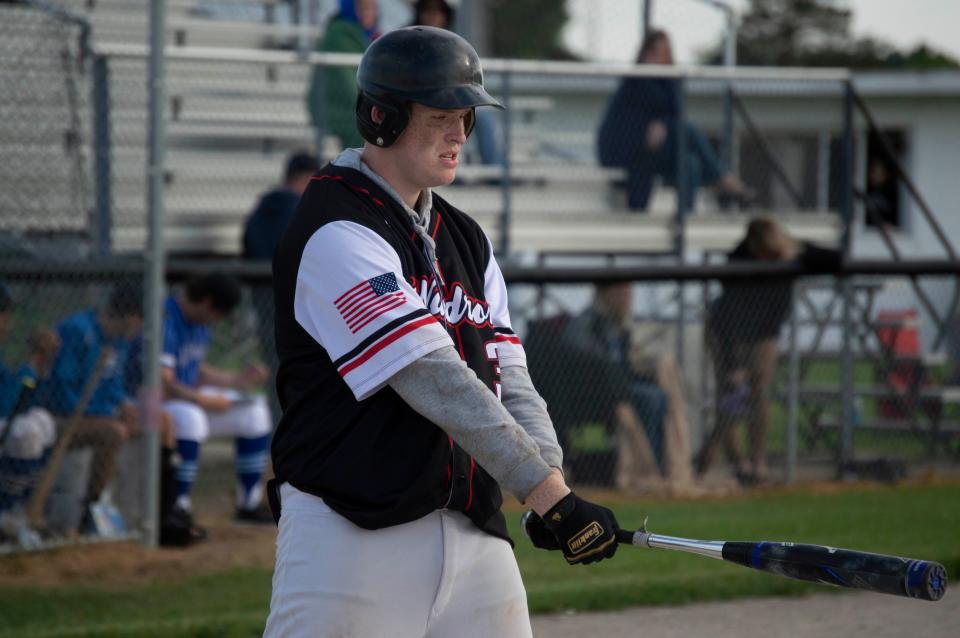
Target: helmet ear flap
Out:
[469,122]
[383,134]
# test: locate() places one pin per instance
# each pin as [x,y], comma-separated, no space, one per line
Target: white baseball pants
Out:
[436,577]
[249,419]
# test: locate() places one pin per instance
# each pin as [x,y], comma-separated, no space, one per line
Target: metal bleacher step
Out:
[823,392]
[922,428]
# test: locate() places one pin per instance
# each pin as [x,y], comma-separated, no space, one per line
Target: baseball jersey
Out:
[184,344]
[81,339]
[357,301]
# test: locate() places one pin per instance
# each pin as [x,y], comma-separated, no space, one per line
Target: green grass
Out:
[916,521]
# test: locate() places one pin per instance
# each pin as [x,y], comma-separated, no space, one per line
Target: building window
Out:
[882,186]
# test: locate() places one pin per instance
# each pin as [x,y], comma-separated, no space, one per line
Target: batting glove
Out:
[586,532]
[537,532]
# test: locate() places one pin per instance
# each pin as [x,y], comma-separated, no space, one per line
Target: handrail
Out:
[498,65]
[178,269]
[891,246]
[901,173]
[761,141]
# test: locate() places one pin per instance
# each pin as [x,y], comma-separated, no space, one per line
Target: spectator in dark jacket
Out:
[743,327]
[266,223]
[639,133]
[262,232]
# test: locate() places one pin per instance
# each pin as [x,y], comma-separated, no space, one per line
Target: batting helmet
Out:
[426,65]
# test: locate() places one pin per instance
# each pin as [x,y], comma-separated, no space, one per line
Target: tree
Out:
[817,33]
[529,29]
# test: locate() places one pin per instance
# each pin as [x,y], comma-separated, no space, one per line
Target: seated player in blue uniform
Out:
[108,419]
[27,432]
[206,401]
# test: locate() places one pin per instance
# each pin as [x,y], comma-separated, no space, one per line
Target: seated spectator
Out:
[27,435]
[332,95]
[108,419]
[742,330]
[265,225]
[205,401]
[643,400]
[639,133]
[261,233]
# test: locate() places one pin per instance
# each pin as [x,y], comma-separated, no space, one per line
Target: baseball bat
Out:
[41,491]
[909,577]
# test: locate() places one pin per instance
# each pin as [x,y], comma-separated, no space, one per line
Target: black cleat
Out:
[259,515]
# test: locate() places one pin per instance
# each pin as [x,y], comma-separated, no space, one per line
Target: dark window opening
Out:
[882,184]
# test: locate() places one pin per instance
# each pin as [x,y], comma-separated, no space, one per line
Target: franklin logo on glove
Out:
[586,532]
[585,538]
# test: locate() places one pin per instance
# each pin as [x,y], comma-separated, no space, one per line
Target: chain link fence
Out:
[750,386]
[657,385]
[45,185]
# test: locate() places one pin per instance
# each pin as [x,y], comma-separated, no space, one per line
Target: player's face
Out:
[428,151]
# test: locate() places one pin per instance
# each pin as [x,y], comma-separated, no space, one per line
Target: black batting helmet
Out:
[426,65]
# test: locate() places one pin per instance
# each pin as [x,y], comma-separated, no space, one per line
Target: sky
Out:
[608,30]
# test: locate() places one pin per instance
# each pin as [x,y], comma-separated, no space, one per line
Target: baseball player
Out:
[406,399]
[205,401]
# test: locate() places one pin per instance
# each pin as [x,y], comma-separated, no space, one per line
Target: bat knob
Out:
[933,583]
[523,522]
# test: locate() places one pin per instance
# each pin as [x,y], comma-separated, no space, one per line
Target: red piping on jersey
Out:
[383,343]
[450,464]
[508,338]
[470,497]
[437,227]
[359,189]
[460,342]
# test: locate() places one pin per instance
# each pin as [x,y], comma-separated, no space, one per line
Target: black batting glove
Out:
[586,532]
[537,532]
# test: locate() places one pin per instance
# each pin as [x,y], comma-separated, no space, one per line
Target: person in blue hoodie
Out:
[639,132]
[332,95]
[108,419]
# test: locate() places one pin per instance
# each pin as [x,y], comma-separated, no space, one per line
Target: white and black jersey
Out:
[356,301]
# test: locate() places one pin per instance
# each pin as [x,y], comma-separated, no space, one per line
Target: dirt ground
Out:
[849,615]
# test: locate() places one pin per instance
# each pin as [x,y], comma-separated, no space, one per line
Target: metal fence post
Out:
[506,185]
[102,157]
[154,273]
[846,210]
[683,207]
[793,392]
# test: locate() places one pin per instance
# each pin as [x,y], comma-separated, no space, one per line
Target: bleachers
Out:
[231,123]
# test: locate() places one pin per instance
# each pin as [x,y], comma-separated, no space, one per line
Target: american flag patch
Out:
[368,300]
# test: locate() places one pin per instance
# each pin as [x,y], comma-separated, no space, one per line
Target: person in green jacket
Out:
[332,97]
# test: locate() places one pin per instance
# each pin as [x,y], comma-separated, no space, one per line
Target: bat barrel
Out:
[912,578]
